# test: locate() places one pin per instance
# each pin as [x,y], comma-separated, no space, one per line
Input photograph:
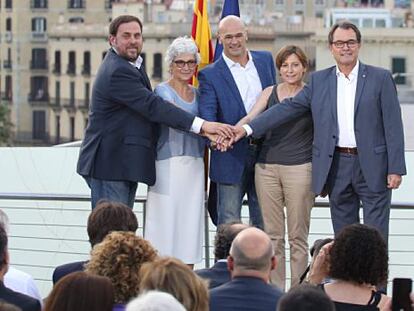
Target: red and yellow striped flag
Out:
[201,34]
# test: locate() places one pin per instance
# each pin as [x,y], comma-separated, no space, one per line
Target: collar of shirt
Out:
[137,63]
[352,75]
[230,63]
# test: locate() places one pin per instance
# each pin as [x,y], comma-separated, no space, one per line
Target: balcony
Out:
[39,65]
[7,64]
[71,70]
[38,96]
[56,68]
[6,95]
[8,36]
[39,36]
[86,70]
[38,4]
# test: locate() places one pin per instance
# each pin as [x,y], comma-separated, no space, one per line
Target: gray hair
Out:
[4,221]
[155,301]
[179,46]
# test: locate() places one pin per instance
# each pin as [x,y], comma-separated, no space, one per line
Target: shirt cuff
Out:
[248,129]
[196,126]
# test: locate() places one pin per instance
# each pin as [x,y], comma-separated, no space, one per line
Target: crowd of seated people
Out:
[125,272]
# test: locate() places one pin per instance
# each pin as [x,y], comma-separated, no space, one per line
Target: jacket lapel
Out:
[362,77]
[333,96]
[228,78]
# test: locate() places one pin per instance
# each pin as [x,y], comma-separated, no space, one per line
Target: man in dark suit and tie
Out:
[25,303]
[358,147]
[118,149]
[228,90]
[250,262]
[219,274]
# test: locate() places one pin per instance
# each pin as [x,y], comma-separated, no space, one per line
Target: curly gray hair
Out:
[179,46]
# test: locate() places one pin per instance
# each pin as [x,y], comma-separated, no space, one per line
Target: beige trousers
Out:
[280,186]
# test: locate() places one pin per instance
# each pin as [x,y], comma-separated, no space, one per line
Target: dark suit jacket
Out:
[220,101]
[377,123]
[120,139]
[24,302]
[216,275]
[66,269]
[244,293]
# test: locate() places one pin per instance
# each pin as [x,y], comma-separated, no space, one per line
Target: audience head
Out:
[119,257]
[4,306]
[4,220]
[155,301]
[4,253]
[359,255]
[110,216]
[314,251]
[305,298]
[173,276]
[224,237]
[251,251]
[81,292]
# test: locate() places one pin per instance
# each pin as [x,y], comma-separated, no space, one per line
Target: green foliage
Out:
[5,126]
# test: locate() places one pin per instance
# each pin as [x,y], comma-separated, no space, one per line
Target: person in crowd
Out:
[175,205]
[228,90]
[171,275]
[358,140]
[155,301]
[119,257]
[4,306]
[24,302]
[106,217]
[305,298]
[283,172]
[250,262]
[357,262]
[219,274]
[15,279]
[81,291]
[118,149]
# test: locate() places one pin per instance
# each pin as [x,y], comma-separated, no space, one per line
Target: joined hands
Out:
[222,136]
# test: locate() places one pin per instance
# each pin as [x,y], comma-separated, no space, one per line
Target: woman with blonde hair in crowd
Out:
[119,257]
[283,171]
[175,206]
[172,276]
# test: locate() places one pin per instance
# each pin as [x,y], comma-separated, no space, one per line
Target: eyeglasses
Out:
[181,63]
[350,44]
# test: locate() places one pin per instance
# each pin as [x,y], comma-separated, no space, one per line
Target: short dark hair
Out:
[81,291]
[305,298]
[288,50]
[3,247]
[359,254]
[224,237]
[110,216]
[344,25]
[123,19]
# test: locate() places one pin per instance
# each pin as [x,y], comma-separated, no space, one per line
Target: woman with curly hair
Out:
[119,257]
[357,261]
[171,275]
[81,292]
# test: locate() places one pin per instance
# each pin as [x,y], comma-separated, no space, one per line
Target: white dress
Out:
[175,207]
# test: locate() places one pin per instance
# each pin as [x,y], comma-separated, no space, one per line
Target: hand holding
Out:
[216,128]
[239,133]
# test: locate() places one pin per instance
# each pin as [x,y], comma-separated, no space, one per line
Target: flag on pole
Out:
[201,34]
[230,7]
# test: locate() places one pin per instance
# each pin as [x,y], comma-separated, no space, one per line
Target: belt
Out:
[254,141]
[347,150]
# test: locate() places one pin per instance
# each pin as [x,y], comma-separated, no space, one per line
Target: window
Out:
[56,66]
[39,24]
[108,3]
[72,93]
[8,4]
[299,2]
[72,63]
[8,24]
[72,128]
[76,20]
[157,71]
[8,87]
[76,4]
[7,63]
[39,125]
[279,2]
[86,68]
[38,59]
[398,66]
[39,4]
[87,94]
[319,2]
[57,130]
[38,89]
[57,93]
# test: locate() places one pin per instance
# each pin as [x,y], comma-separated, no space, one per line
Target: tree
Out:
[5,126]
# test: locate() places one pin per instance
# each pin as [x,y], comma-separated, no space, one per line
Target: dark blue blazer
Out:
[216,275]
[66,269]
[121,136]
[377,123]
[25,303]
[244,294]
[220,101]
